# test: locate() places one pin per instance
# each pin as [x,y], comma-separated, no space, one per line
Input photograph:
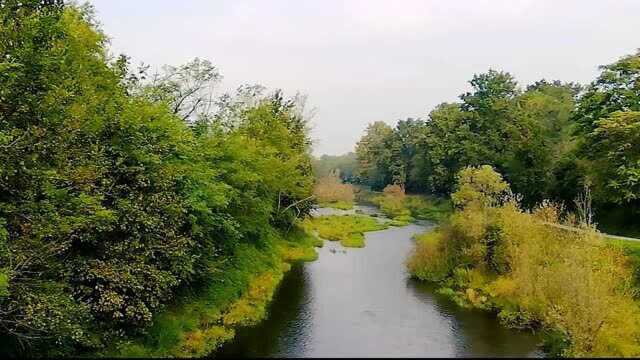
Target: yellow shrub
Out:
[430,258]
[571,282]
[330,189]
[251,308]
[503,287]
[201,342]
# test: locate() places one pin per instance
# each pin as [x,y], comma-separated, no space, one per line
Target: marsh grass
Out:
[342,205]
[331,192]
[403,209]
[348,229]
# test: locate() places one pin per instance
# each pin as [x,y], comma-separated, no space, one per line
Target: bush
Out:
[330,191]
[571,283]
[431,259]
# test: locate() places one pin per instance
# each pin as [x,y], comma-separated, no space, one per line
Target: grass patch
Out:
[428,207]
[236,294]
[404,209]
[348,229]
[631,248]
[341,205]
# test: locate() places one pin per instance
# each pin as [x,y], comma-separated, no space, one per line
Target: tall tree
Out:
[374,155]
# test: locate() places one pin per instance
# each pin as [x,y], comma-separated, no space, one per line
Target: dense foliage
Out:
[549,140]
[530,270]
[118,190]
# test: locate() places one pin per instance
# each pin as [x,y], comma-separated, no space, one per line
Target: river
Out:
[362,303]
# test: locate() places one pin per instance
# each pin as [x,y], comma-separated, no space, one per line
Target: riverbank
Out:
[238,297]
[355,296]
[403,209]
[574,286]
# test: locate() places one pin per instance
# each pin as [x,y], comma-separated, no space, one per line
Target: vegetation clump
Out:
[403,208]
[348,229]
[493,255]
[331,192]
[237,295]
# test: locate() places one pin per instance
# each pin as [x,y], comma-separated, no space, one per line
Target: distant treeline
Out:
[121,190]
[344,166]
[549,140]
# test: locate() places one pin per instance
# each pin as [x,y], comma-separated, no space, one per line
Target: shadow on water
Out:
[285,328]
[478,332]
[361,302]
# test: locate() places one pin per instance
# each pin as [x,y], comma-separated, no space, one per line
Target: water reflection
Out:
[360,302]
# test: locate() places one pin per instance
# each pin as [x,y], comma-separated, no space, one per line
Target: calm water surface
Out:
[361,303]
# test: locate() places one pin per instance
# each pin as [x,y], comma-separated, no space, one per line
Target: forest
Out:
[550,140]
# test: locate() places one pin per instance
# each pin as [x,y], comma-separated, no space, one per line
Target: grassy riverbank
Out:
[341,205]
[240,289]
[576,287]
[348,229]
[403,209]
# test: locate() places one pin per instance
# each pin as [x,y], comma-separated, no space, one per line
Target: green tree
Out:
[615,149]
[616,89]
[374,155]
[541,141]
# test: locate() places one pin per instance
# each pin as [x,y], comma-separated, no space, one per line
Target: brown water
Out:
[362,303]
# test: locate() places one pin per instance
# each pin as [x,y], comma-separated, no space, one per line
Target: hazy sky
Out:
[362,61]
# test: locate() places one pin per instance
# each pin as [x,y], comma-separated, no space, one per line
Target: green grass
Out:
[428,207]
[402,220]
[632,250]
[403,212]
[342,205]
[348,229]
[236,294]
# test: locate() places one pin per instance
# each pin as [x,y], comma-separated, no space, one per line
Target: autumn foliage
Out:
[330,189]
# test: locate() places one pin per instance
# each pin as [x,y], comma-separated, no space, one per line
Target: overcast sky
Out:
[362,61]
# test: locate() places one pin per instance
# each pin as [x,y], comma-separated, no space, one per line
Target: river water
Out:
[362,303]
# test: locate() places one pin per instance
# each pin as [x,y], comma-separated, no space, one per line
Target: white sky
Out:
[362,61]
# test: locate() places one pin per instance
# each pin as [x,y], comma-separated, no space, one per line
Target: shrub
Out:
[431,259]
[572,283]
[330,190]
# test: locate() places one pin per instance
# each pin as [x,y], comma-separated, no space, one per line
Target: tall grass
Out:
[576,286]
